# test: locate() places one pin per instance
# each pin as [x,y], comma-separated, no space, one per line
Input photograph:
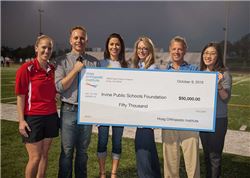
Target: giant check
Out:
[148,98]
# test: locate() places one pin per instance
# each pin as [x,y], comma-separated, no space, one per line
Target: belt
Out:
[72,106]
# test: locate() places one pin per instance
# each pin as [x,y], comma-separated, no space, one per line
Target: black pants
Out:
[213,143]
[147,161]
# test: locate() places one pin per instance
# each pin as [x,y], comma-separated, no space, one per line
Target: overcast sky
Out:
[198,22]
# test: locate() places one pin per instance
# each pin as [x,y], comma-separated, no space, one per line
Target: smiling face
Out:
[78,41]
[44,49]
[114,47]
[177,51]
[210,57]
[142,50]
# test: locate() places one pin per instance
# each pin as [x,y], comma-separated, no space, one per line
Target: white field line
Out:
[8,69]
[240,81]
[234,95]
[236,83]
[11,102]
[8,78]
[240,77]
[7,98]
[8,84]
[239,105]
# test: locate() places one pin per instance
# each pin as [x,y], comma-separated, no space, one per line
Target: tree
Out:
[239,50]
[24,53]
[242,47]
[230,48]
[6,51]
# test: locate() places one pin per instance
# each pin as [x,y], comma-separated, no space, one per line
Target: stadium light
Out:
[225,33]
[40,19]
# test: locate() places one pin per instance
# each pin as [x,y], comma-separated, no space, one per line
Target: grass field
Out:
[239,106]
[14,158]
[7,84]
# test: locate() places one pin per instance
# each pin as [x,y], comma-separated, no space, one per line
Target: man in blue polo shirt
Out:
[174,139]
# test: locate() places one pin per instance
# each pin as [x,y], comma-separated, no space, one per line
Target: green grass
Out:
[14,158]
[8,83]
[239,106]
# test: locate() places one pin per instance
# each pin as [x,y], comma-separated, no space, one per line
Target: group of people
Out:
[5,61]
[38,82]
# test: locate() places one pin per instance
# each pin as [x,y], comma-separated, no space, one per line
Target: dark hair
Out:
[219,65]
[121,57]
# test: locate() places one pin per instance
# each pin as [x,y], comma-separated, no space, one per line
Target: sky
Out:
[199,22]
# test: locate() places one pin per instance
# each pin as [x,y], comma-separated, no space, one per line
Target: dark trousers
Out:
[147,160]
[213,143]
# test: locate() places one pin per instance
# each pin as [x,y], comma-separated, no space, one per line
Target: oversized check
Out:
[148,98]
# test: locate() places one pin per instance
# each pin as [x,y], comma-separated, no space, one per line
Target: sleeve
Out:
[227,84]
[59,74]
[22,81]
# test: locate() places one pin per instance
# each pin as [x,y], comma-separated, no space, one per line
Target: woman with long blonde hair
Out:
[144,55]
[147,160]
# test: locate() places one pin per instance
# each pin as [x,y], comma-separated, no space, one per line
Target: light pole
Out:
[40,21]
[225,33]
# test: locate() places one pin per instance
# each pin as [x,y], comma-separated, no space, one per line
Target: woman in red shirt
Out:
[36,106]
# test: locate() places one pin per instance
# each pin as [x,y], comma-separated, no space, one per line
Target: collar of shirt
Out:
[39,68]
[73,56]
[141,64]
[113,64]
[183,66]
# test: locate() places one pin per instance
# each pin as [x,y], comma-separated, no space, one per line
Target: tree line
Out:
[239,49]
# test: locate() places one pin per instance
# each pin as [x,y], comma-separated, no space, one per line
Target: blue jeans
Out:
[73,137]
[103,135]
[147,161]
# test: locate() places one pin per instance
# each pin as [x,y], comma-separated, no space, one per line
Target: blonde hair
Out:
[79,28]
[150,58]
[39,38]
[180,40]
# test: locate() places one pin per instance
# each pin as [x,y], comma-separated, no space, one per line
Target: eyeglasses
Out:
[209,54]
[142,49]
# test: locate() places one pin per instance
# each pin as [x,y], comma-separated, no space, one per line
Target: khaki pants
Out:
[189,142]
